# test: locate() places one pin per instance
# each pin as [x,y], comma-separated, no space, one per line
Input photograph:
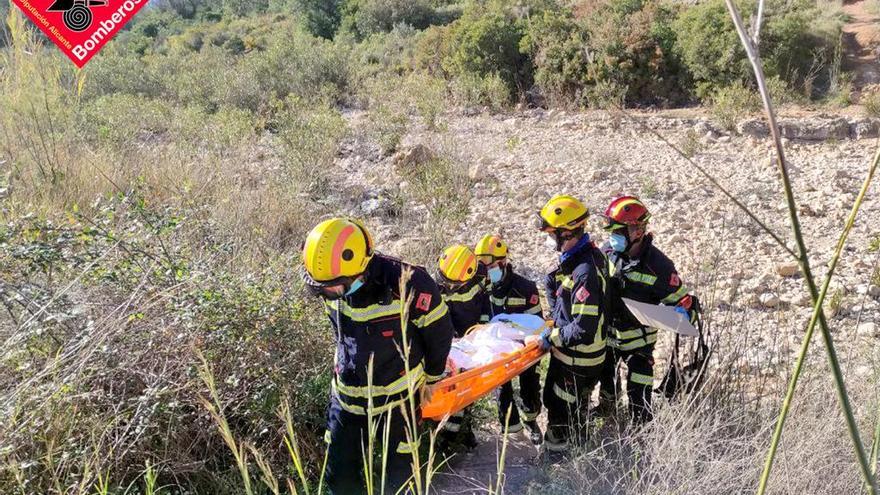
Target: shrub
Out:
[555,40]
[366,17]
[625,44]
[474,90]
[709,46]
[427,95]
[870,100]
[320,17]
[632,46]
[731,104]
[487,44]
[309,135]
[383,53]
[442,187]
[123,119]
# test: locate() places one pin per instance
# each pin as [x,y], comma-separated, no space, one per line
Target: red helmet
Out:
[626,210]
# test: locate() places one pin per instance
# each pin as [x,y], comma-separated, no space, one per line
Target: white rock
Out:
[477,171]
[868,329]
[788,269]
[769,300]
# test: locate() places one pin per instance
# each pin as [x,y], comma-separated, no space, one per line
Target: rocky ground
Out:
[746,281]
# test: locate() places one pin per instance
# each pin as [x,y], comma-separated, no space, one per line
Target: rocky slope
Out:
[753,293]
[519,161]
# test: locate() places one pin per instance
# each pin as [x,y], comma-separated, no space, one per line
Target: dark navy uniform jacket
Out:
[576,296]
[370,336]
[650,278]
[468,306]
[515,294]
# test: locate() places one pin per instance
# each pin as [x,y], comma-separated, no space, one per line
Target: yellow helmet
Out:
[563,212]
[457,265]
[490,248]
[336,251]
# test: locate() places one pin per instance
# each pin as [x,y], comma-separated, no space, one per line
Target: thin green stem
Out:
[875,444]
[818,313]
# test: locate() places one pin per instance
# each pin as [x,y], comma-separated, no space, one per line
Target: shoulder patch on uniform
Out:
[535,299]
[674,281]
[423,302]
[582,294]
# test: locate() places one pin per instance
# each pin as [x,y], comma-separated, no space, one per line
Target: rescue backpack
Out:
[684,379]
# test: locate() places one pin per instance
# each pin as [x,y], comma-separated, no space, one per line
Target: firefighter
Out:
[638,271]
[463,291]
[511,293]
[361,291]
[575,294]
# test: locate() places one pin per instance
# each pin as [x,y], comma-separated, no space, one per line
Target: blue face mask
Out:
[357,284]
[495,273]
[618,242]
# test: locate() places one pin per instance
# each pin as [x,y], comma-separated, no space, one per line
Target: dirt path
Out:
[861,42]
[475,472]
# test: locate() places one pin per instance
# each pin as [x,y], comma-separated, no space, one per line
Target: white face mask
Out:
[550,242]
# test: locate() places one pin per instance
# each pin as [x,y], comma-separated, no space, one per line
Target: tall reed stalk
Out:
[803,259]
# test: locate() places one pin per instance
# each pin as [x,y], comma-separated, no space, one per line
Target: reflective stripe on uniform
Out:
[675,296]
[368,313]
[534,310]
[355,409]
[327,437]
[405,447]
[435,314]
[529,416]
[628,334]
[567,282]
[635,344]
[516,301]
[515,428]
[562,394]
[453,423]
[646,380]
[467,296]
[576,361]
[415,377]
[433,378]
[554,444]
[645,278]
[585,309]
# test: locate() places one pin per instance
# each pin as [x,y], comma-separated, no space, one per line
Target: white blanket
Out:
[487,343]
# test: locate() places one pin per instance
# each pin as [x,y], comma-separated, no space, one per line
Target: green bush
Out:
[366,17]
[870,100]
[381,53]
[483,91]
[122,119]
[790,46]
[319,17]
[309,135]
[555,40]
[116,71]
[487,44]
[389,111]
[731,104]
[618,43]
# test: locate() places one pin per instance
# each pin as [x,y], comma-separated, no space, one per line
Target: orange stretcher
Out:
[459,391]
